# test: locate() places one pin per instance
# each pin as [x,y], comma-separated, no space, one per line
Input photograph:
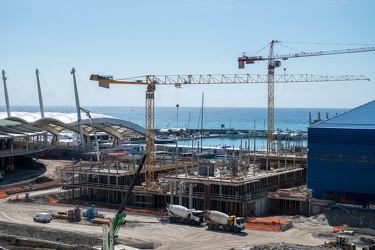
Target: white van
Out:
[43,217]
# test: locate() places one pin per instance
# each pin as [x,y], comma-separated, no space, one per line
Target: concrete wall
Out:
[261,207]
[317,205]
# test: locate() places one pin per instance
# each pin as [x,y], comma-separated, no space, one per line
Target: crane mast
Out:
[271,96]
[150,132]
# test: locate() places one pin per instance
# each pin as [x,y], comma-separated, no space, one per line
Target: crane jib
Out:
[251,59]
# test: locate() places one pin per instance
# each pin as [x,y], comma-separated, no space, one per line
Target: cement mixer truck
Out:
[220,221]
[181,214]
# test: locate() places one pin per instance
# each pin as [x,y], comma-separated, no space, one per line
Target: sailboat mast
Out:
[202,120]
[189,122]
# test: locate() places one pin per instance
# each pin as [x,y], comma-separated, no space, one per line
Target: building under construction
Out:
[249,184]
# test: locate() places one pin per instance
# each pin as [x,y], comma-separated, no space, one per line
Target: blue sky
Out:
[133,38]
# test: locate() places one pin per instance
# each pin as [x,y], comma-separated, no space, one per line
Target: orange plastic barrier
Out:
[14,198]
[339,228]
[14,190]
[46,184]
[5,192]
[52,200]
[272,224]
[3,195]
[263,220]
[263,227]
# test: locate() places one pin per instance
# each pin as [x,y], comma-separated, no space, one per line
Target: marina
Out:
[226,118]
[213,138]
[249,121]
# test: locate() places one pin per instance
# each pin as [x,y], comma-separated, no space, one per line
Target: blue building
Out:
[341,157]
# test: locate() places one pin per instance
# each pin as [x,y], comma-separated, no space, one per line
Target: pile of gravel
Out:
[42,179]
[280,246]
[18,236]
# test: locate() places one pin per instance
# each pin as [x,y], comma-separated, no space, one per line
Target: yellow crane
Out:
[178,80]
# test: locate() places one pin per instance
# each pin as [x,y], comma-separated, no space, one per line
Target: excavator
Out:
[341,242]
[111,233]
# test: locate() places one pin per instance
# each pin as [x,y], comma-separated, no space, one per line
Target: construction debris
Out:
[280,246]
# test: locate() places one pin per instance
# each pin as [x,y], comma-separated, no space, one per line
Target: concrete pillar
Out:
[109,192]
[172,193]
[190,196]
[180,193]
[207,195]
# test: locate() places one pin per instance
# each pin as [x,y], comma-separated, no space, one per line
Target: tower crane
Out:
[178,80]
[274,63]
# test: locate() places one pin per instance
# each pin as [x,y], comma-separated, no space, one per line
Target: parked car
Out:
[43,217]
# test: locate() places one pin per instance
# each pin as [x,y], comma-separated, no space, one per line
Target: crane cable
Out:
[346,44]
[259,50]
[280,43]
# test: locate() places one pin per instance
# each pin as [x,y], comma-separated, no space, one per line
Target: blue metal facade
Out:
[341,157]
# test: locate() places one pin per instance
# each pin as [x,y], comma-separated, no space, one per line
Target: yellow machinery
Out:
[341,242]
[178,80]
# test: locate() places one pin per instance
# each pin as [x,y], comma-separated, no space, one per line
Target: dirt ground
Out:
[19,231]
[31,170]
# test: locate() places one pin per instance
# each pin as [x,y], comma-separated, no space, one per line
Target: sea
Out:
[195,118]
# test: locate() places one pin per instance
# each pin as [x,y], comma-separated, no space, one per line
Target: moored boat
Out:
[207,155]
[235,134]
[163,139]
